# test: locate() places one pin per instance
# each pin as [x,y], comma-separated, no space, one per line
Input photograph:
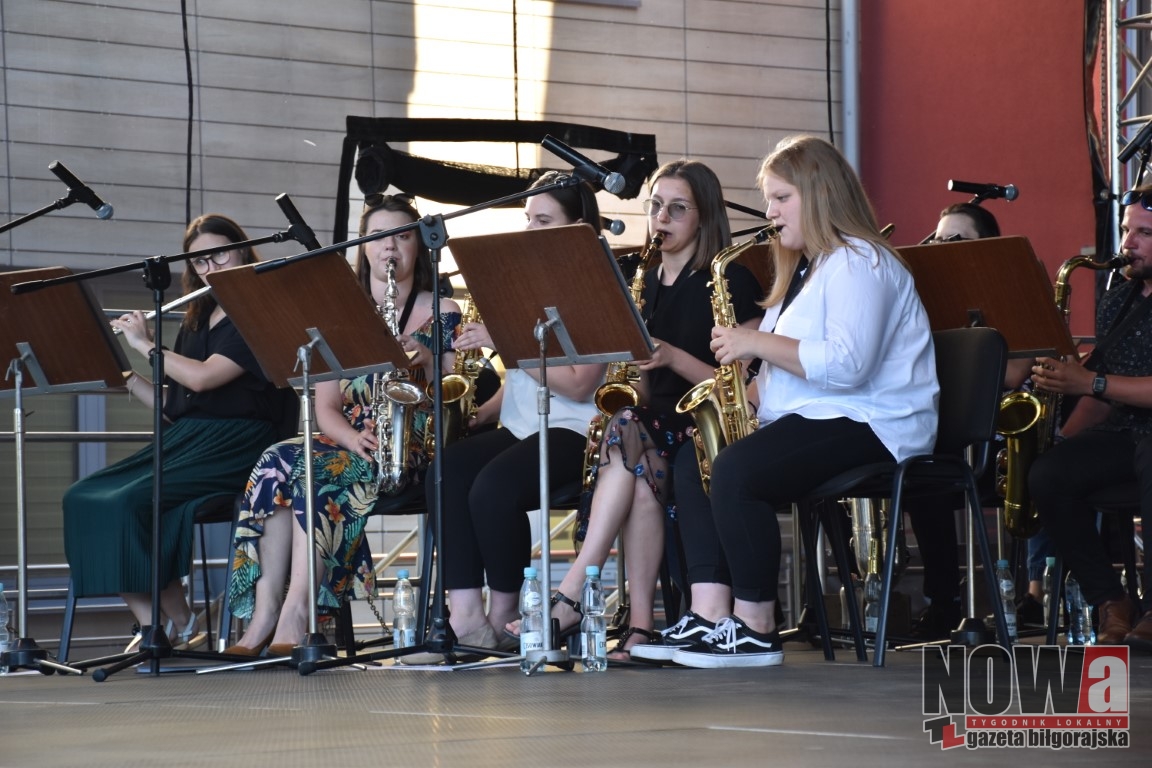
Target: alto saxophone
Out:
[720,405]
[394,403]
[619,387]
[1028,421]
[459,387]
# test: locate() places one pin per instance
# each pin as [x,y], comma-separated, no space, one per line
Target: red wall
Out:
[983,91]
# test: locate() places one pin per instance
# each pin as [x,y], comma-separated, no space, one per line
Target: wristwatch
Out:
[1099,384]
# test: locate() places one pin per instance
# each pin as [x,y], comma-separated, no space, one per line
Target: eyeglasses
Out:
[676,210]
[1131,196]
[200,263]
[950,239]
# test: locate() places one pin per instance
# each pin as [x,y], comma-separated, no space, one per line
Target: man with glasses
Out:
[1112,444]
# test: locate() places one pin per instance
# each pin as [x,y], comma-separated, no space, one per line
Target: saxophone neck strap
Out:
[1125,320]
[409,303]
[798,277]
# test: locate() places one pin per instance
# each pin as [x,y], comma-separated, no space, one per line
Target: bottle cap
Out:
[1050,562]
[402,573]
[592,570]
[529,572]
[1001,563]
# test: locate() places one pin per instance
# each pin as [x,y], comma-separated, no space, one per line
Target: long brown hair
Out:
[833,205]
[422,274]
[714,234]
[200,308]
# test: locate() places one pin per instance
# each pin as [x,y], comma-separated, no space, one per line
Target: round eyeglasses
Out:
[200,263]
[676,209]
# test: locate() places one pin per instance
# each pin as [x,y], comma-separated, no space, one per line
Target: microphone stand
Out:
[157,275]
[440,638]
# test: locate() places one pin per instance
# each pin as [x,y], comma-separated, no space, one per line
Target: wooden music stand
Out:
[565,275]
[277,318]
[996,282]
[559,279]
[281,323]
[60,336]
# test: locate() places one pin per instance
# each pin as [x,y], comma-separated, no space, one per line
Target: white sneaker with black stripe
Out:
[732,644]
[689,630]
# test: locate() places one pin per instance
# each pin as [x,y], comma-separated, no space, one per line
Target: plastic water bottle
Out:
[531,617]
[1048,585]
[5,635]
[593,627]
[403,612]
[1007,586]
[1078,614]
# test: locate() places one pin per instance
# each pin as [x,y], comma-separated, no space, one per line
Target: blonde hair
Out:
[833,205]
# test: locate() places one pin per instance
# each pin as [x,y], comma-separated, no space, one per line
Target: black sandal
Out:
[558,597]
[648,634]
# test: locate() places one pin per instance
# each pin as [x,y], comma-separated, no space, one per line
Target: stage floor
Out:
[808,712]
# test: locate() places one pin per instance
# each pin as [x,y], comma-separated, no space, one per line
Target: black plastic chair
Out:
[970,367]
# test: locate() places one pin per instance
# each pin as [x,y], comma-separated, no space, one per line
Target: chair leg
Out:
[206,585]
[975,512]
[428,589]
[813,589]
[1126,530]
[844,570]
[1054,601]
[66,629]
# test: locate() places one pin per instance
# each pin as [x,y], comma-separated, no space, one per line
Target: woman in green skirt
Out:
[220,413]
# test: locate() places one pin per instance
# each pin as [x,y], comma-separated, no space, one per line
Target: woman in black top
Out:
[221,412]
[632,492]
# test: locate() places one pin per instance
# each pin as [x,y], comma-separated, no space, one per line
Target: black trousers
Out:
[490,481]
[734,537]
[1061,481]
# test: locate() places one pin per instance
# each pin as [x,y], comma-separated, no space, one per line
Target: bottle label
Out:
[600,644]
[870,623]
[531,641]
[404,638]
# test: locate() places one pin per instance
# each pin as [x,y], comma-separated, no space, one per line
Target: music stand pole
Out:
[26,652]
[547,654]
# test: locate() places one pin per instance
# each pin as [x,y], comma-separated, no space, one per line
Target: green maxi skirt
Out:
[108,514]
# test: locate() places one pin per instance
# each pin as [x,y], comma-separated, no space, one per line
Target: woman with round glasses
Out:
[632,492]
[271,544]
[221,413]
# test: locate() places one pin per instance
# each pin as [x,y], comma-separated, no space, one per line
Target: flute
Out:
[186,298]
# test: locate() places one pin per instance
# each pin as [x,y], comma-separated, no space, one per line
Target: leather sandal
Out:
[557,597]
[648,635]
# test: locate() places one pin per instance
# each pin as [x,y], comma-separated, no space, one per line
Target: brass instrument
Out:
[1028,421]
[619,387]
[394,402]
[458,389]
[720,405]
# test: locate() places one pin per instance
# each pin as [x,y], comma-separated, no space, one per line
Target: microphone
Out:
[615,226]
[985,191]
[81,191]
[299,230]
[584,168]
[1139,142]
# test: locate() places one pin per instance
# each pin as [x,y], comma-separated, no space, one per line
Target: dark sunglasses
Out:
[1132,196]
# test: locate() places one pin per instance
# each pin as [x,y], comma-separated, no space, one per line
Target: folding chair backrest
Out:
[970,367]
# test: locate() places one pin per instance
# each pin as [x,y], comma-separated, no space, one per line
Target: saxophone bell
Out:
[719,405]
